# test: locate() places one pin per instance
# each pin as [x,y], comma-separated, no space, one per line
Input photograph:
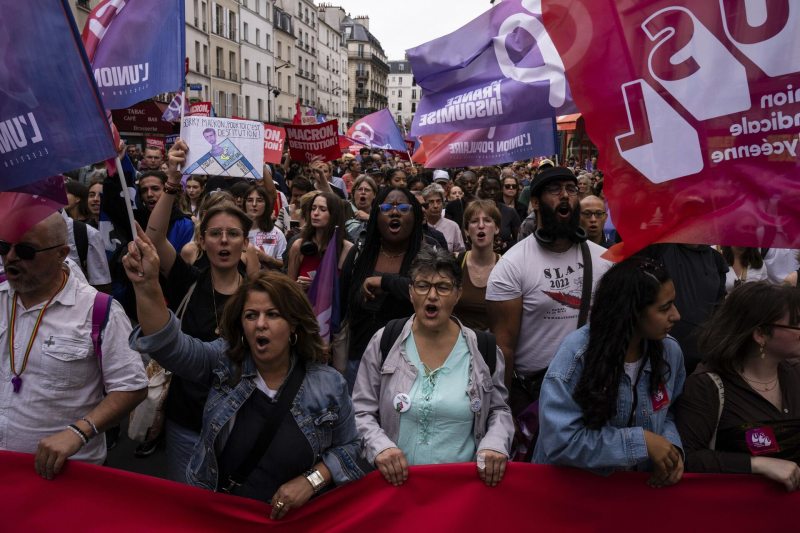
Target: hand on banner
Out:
[121,149]
[292,495]
[53,451]
[666,460]
[393,465]
[176,160]
[371,288]
[780,470]
[494,467]
[141,262]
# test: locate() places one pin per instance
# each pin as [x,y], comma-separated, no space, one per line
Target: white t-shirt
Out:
[272,243]
[753,275]
[550,285]
[779,263]
[96,262]
[632,369]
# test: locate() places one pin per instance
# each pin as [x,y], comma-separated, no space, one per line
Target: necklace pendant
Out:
[17,382]
[216,331]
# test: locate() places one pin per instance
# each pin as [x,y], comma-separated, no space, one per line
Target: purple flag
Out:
[501,68]
[51,118]
[378,130]
[137,49]
[173,111]
[324,291]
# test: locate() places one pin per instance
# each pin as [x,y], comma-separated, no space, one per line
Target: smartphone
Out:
[294,224]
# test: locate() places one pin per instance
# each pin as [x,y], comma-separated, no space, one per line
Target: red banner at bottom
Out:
[86,498]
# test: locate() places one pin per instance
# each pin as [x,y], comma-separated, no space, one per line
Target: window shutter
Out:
[225,25]
[240,107]
[236,15]
[216,101]
[213,17]
[228,105]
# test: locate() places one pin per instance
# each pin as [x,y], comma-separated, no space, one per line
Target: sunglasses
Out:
[24,251]
[403,209]
[509,186]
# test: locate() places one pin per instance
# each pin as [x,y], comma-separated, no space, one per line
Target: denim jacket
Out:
[565,441]
[322,408]
[377,384]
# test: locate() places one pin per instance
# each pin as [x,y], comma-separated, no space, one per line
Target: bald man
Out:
[593,219]
[51,391]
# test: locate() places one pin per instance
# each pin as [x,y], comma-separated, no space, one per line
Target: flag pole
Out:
[128,201]
[183,110]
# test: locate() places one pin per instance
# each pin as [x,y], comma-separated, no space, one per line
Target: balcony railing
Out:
[363,110]
[205,69]
[197,66]
[220,73]
[362,74]
[205,27]
[196,23]
[234,76]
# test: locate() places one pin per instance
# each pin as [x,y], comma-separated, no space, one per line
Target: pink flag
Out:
[24,207]
[324,291]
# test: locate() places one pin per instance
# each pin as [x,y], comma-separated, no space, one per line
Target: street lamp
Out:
[276,91]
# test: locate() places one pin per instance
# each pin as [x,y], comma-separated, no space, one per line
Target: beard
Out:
[558,227]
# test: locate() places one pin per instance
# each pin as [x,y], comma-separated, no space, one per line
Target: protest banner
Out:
[499,69]
[223,147]
[46,128]
[200,109]
[274,137]
[170,140]
[306,120]
[491,146]
[378,130]
[318,140]
[697,130]
[156,142]
[443,498]
[137,49]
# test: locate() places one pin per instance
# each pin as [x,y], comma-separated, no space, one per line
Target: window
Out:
[258,6]
[280,49]
[205,58]
[394,79]
[400,93]
[258,72]
[246,72]
[280,110]
[414,94]
[360,50]
[269,44]
[393,106]
[260,107]
[394,93]
[399,106]
[413,107]
[289,83]
[197,55]
[239,105]
[289,53]
[216,101]
[232,62]
[258,37]
[244,31]
[247,106]
[402,67]
[413,82]
[280,81]
[228,104]
[400,80]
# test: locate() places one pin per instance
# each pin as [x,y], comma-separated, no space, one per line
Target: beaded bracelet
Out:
[75,429]
[169,188]
[94,428]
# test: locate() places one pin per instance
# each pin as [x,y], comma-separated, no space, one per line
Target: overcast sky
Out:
[403,24]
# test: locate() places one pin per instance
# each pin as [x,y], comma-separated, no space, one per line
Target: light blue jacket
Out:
[565,441]
[322,408]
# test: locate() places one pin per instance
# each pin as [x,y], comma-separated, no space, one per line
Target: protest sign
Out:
[46,128]
[697,130]
[491,146]
[156,142]
[318,140]
[223,147]
[170,140]
[378,130]
[501,68]
[274,137]
[200,109]
[137,49]
[306,120]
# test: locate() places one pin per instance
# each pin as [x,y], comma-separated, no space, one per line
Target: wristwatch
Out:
[315,478]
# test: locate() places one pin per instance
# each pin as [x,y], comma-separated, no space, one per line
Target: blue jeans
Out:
[180,443]
[351,373]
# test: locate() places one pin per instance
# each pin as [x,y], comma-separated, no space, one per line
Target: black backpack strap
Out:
[391,332]
[81,235]
[487,345]
[586,291]
[285,401]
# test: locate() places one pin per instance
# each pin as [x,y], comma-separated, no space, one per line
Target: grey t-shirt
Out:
[550,285]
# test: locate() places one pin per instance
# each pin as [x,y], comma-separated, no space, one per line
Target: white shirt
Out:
[753,275]
[62,381]
[272,243]
[452,233]
[550,285]
[779,263]
[96,262]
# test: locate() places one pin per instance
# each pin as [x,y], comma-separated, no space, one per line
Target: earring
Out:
[244,342]
[763,355]
[293,341]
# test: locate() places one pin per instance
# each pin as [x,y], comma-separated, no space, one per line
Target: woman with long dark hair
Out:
[374,282]
[746,266]
[327,212]
[605,400]
[267,239]
[489,189]
[740,412]
[78,198]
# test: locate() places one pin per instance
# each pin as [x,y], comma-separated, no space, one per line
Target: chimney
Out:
[363,20]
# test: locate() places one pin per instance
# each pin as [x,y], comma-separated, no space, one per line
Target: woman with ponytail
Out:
[606,399]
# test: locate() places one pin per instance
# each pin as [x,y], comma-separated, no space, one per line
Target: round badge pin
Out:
[402,402]
[475,405]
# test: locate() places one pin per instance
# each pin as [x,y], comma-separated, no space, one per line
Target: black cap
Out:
[551,174]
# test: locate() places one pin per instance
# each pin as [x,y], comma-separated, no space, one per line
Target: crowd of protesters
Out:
[479,323]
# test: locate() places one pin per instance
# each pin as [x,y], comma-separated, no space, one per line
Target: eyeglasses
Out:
[234,234]
[443,288]
[365,190]
[590,214]
[509,186]
[403,209]
[24,251]
[555,189]
[255,201]
[781,326]
[424,205]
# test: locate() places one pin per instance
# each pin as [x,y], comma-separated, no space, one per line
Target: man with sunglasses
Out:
[51,392]
[535,291]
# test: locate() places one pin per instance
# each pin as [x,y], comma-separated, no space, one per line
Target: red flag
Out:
[298,115]
[696,122]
